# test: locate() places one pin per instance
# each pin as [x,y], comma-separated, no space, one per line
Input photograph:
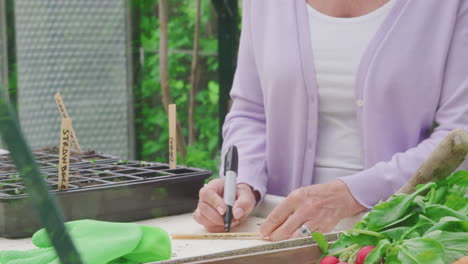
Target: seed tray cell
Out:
[157,167]
[122,178]
[105,168]
[129,171]
[153,174]
[95,157]
[141,165]
[101,187]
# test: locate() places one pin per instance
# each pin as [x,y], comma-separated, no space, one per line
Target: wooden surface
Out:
[301,250]
[186,250]
[297,255]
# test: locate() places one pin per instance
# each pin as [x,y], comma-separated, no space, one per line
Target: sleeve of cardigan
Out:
[452,113]
[244,126]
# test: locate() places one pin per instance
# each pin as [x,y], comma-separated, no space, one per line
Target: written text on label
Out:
[64,160]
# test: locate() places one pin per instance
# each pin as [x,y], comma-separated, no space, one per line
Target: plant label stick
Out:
[64,114]
[172,136]
[64,155]
[218,236]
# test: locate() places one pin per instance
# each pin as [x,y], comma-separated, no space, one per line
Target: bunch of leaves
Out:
[151,118]
[427,226]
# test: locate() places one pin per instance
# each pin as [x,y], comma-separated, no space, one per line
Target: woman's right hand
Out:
[211,207]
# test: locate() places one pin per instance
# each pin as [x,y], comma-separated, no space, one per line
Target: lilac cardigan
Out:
[412,79]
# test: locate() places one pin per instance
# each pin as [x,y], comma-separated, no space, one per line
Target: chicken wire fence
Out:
[80,49]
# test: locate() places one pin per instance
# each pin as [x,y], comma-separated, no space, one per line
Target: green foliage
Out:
[321,241]
[151,119]
[391,212]
[428,226]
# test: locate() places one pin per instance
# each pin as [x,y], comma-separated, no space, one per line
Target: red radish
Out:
[329,260]
[362,254]
[343,263]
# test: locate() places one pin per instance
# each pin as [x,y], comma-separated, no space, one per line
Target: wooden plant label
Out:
[172,136]
[218,236]
[64,114]
[64,155]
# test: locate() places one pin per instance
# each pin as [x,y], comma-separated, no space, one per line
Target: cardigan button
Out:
[360,103]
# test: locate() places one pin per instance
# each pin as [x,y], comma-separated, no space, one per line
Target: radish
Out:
[329,260]
[362,254]
[343,263]
[463,260]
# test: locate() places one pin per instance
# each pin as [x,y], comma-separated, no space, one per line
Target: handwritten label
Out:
[171,149]
[64,114]
[172,136]
[64,155]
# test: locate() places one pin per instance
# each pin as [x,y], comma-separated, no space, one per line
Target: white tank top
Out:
[338,45]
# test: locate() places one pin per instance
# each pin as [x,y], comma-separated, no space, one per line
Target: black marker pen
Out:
[230,183]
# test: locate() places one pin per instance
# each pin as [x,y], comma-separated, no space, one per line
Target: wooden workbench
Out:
[184,223]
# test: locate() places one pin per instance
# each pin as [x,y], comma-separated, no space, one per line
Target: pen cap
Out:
[231,159]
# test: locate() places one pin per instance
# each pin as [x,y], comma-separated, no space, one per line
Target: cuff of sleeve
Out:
[257,183]
[253,176]
[367,188]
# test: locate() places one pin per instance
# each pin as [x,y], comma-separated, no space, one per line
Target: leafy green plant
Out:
[428,226]
[16,176]
[151,119]
[144,163]
[121,162]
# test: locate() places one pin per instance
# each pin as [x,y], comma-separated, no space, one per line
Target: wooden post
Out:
[445,158]
[64,155]
[64,114]
[172,112]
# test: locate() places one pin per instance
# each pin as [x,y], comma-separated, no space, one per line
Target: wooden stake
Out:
[218,236]
[443,160]
[172,112]
[64,114]
[64,155]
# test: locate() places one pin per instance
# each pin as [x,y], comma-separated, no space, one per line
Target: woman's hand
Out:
[319,207]
[211,206]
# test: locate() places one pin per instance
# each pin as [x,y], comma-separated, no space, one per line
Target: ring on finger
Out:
[304,230]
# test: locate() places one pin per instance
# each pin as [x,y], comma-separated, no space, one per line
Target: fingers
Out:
[202,219]
[279,215]
[211,207]
[245,202]
[209,224]
[288,228]
[211,194]
[298,232]
[210,213]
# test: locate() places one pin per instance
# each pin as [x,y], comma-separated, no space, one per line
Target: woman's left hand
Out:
[319,207]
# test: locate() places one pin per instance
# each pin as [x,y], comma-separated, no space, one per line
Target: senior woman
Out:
[337,103]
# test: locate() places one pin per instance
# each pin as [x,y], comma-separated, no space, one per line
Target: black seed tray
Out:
[101,187]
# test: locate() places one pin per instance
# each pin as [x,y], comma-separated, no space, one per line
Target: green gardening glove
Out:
[99,243]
